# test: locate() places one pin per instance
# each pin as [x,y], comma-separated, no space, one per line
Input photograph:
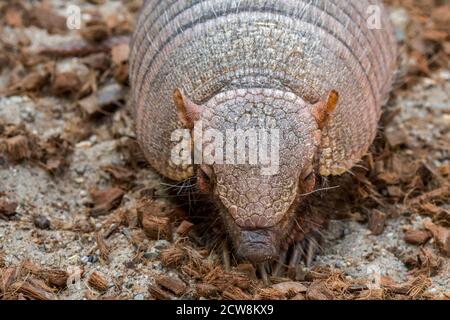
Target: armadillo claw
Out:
[262,269]
[289,263]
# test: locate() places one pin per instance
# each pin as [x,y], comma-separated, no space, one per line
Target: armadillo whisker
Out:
[320,189]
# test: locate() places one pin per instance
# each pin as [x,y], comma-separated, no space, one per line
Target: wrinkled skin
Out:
[259,210]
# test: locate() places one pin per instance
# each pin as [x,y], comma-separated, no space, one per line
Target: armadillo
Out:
[317,70]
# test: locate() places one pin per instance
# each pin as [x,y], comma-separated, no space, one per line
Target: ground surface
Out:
[82,216]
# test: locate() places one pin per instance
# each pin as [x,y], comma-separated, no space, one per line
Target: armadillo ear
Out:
[323,109]
[187,111]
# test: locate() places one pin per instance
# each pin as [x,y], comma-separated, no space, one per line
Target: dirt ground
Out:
[82,216]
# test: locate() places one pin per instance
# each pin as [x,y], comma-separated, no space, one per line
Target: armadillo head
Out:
[259,150]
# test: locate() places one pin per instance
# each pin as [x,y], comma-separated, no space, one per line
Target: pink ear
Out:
[323,109]
[187,111]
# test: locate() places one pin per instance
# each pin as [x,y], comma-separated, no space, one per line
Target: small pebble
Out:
[161,244]
[151,255]
[89,259]
[80,169]
[139,296]
[41,222]
[79,180]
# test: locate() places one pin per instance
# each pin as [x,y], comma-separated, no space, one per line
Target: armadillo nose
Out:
[257,245]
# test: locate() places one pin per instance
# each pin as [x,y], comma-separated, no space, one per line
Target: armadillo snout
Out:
[257,245]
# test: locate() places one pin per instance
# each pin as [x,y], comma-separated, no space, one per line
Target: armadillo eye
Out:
[309,180]
[307,174]
[207,172]
[204,178]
